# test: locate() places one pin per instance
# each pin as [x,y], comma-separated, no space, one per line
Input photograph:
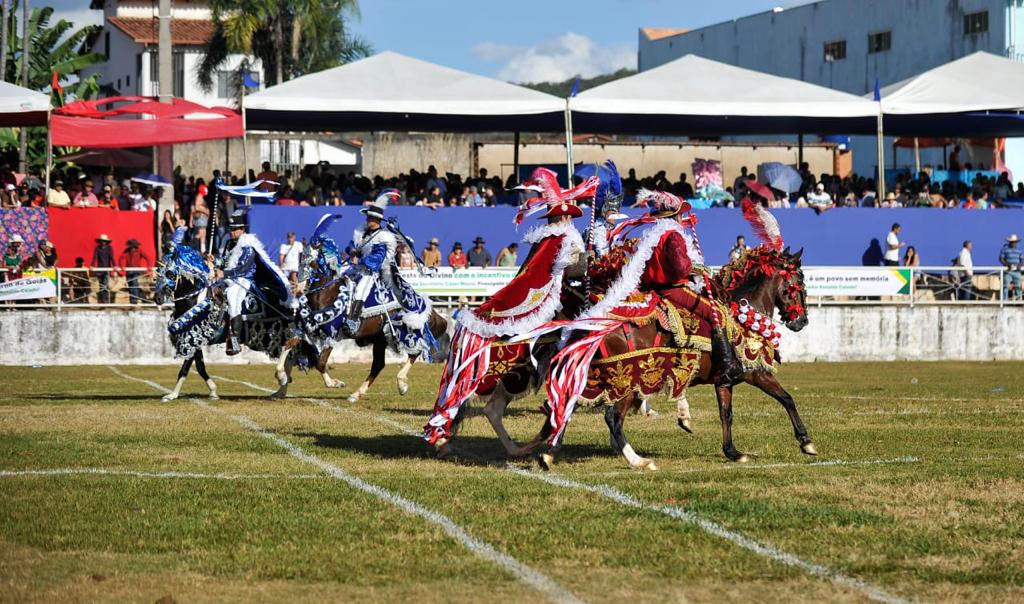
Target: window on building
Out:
[179,74]
[879,42]
[127,81]
[976,23]
[227,85]
[835,51]
[106,44]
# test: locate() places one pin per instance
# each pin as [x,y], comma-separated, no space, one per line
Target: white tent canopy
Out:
[389,91]
[694,95]
[22,107]
[978,82]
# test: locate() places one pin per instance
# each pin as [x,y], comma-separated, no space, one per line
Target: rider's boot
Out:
[234,328]
[351,325]
[723,358]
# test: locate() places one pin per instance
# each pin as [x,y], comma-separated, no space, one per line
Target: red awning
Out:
[119,122]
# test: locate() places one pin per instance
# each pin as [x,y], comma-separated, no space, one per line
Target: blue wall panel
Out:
[837,237]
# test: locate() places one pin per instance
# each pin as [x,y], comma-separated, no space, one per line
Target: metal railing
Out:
[133,288]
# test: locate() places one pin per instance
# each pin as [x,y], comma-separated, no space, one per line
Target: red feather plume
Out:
[764,224]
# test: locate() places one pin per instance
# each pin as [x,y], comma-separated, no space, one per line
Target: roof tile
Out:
[187,32]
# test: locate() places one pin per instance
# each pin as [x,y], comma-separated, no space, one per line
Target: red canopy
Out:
[102,123]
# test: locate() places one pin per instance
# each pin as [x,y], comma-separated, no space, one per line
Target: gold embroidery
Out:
[620,378]
[651,371]
[684,370]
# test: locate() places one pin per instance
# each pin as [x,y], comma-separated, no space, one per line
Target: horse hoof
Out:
[809,449]
[685,424]
[442,449]
[352,398]
[339,384]
[213,396]
[651,466]
[169,397]
[546,461]
[276,396]
[743,458]
[403,389]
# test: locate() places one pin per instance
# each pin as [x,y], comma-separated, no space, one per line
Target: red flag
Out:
[55,84]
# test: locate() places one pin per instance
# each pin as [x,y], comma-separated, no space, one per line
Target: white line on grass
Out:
[772,466]
[678,513]
[482,549]
[141,474]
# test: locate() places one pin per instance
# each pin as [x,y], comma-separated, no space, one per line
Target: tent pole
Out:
[881,157]
[49,157]
[800,149]
[515,155]
[917,157]
[245,140]
[568,143]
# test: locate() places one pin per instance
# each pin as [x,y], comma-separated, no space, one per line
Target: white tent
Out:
[978,82]
[22,107]
[389,91]
[694,95]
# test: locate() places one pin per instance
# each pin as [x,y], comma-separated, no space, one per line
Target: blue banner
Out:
[839,237]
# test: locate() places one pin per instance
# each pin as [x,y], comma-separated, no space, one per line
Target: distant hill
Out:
[562,89]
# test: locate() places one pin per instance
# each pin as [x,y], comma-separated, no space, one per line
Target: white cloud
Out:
[556,60]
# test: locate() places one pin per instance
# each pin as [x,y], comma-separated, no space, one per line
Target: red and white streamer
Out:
[466,367]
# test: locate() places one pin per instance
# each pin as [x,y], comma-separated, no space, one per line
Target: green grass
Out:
[944,521]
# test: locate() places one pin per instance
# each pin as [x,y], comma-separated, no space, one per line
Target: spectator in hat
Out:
[819,199]
[457,258]
[107,199]
[103,259]
[1012,259]
[45,256]
[478,256]
[58,197]
[508,257]
[134,258]
[432,254]
[10,198]
[85,198]
[13,258]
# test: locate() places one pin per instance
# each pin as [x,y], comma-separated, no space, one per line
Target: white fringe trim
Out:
[571,245]
[629,278]
[250,240]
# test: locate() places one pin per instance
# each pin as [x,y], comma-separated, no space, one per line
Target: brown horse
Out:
[327,291]
[647,358]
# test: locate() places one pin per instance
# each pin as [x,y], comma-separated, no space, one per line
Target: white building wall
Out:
[120,71]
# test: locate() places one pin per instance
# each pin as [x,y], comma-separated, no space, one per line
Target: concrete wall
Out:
[835,333]
[202,158]
[392,153]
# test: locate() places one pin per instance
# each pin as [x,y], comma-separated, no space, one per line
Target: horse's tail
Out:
[439,328]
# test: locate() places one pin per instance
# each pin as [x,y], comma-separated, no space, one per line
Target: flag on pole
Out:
[248,81]
[878,90]
[575,87]
[55,84]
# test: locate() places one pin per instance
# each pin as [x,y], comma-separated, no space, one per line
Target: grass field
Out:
[108,494]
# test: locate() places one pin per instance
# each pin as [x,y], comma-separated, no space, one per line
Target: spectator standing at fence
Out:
[58,197]
[434,199]
[107,199]
[1012,259]
[893,245]
[167,225]
[103,258]
[434,182]
[911,257]
[134,258]
[739,249]
[457,258]
[432,254]
[13,258]
[478,256]
[288,260]
[406,259]
[145,202]
[268,175]
[200,222]
[45,256]
[965,276]
[508,257]
[819,199]
[85,198]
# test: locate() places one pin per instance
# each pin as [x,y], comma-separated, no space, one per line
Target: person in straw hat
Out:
[1012,258]
[103,259]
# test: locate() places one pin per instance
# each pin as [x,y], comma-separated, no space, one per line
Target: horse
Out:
[197,320]
[323,311]
[631,359]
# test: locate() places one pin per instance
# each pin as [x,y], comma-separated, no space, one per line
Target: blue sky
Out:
[518,40]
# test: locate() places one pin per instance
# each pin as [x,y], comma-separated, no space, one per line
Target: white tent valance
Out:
[978,82]
[389,91]
[22,107]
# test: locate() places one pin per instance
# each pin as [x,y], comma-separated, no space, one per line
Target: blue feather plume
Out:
[179,235]
[321,227]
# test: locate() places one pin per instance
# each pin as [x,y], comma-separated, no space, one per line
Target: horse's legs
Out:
[683,413]
[283,370]
[403,374]
[201,368]
[182,374]
[771,386]
[614,416]
[724,394]
[379,348]
[321,366]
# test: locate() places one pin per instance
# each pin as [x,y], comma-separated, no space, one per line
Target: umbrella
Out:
[780,176]
[112,158]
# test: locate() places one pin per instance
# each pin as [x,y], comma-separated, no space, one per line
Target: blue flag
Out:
[248,81]
[878,90]
[575,88]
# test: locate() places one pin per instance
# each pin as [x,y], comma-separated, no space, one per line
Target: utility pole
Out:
[23,148]
[166,84]
[3,39]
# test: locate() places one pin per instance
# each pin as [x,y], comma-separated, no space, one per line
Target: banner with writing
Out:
[857,281]
[28,288]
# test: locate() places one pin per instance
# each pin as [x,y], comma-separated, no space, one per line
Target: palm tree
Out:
[53,49]
[318,37]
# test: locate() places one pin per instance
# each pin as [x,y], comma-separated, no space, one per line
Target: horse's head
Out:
[182,273]
[769,279]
